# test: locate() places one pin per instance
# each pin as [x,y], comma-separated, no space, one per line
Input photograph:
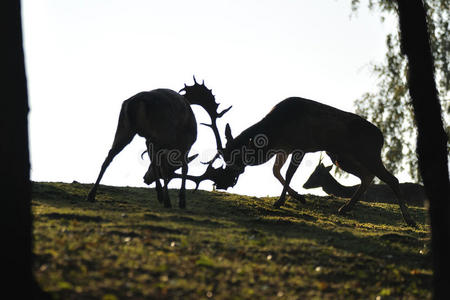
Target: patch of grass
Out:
[223,246]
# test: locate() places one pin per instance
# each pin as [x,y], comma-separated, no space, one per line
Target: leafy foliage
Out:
[390,108]
[223,246]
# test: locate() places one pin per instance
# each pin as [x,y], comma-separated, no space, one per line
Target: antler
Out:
[199,94]
[219,176]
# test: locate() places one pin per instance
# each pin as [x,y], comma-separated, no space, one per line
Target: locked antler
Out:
[218,176]
[199,94]
[221,179]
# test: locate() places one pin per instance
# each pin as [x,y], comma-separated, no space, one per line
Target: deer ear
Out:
[228,132]
[328,168]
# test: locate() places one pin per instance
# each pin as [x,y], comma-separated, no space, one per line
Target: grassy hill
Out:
[223,246]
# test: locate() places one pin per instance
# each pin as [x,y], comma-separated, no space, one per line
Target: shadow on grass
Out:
[55,192]
[73,217]
[60,194]
[317,220]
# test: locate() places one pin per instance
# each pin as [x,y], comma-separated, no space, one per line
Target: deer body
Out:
[165,119]
[320,177]
[303,125]
[298,123]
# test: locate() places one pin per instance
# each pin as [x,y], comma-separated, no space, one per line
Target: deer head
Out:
[316,178]
[232,154]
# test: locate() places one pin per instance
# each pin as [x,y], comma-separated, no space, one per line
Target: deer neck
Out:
[255,143]
[332,187]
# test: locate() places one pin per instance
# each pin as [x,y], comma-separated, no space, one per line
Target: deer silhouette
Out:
[296,126]
[199,94]
[321,178]
[165,119]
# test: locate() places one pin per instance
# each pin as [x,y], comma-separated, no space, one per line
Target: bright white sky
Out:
[85,57]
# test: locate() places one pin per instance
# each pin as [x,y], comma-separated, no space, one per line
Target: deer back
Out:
[312,126]
[163,117]
[304,125]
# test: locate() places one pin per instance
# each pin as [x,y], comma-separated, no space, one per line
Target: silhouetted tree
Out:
[389,106]
[431,139]
[15,220]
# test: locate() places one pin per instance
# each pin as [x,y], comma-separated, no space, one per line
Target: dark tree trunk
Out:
[15,185]
[432,139]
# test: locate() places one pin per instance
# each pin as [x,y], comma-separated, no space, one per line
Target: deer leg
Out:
[293,165]
[159,190]
[165,176]
[182,195]
[384,175]
[121,139]
[155,163]
[366,179]
[279,162]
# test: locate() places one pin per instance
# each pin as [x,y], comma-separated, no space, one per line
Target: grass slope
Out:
[223,246]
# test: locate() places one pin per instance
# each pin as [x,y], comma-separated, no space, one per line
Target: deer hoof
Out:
[90,197]
[182,203]
[160,197]
[298,197]
[410,222]
[166,201]
[278,204]
[344,209]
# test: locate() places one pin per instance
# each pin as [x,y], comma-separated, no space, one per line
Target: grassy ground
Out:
[223,246]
